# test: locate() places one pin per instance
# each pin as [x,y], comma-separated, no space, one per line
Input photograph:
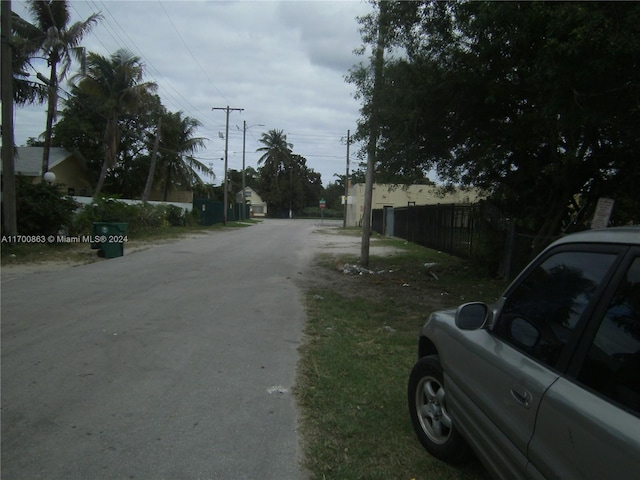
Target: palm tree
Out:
[277,158]
[177,145]
[153,161]
[277,151]
[25,46]
[58,41]
[117,81]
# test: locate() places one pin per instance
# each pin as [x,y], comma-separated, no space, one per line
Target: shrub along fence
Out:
[138,215]
[476,231]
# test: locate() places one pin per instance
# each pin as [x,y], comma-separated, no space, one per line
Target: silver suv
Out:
[546,383]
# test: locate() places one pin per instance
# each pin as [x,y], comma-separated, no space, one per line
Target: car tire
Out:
[431,420]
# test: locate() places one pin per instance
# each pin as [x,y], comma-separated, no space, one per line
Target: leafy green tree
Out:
[286,183]
[536,102]
[25,43]
[334,192]
[81,128]
[41,210]
[137,130]
[308,183]
[117,82]
[275,160]
[251,177]
[277,152]
[234,177]
[58,41]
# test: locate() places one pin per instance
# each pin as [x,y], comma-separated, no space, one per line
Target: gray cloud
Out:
[283,62]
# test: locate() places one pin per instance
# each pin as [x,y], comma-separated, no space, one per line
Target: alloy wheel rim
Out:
[431,410]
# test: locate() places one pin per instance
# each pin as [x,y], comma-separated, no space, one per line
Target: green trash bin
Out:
[109,238]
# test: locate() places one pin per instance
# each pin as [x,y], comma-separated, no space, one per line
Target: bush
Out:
[146,215]
[192,218]
[103,209]
[317,212]
[139,216]
[175,216]
[41,209]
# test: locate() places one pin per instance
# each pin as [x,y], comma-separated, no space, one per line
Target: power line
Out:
[190,52]
[122,39]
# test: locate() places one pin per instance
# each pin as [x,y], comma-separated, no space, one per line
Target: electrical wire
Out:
[122,39]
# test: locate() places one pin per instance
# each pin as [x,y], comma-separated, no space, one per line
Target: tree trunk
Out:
[373,135]
[152,166]
[9,219]
[110,141]
[167,183]
[546,233]
[52,103]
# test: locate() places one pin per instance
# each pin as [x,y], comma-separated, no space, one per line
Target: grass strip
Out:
[352,383]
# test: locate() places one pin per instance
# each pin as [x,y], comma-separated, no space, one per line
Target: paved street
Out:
[174,362]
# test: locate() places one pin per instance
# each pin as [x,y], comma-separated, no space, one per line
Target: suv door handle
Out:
[521,395]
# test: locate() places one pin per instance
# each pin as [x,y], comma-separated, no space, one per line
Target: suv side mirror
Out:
[472,316]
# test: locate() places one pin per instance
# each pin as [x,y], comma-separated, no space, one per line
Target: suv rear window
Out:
[612,366]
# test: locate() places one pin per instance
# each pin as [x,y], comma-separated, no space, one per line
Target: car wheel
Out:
[431,420]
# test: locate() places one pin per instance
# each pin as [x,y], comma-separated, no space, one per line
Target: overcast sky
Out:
[283,62]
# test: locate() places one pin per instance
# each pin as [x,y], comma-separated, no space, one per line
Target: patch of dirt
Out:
[334,259]
[79,254]
[336,267]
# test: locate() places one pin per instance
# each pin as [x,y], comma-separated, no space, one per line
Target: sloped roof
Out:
[254,195]
[28,160]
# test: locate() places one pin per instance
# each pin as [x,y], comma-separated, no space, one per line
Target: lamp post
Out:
[49,177]
[244,138]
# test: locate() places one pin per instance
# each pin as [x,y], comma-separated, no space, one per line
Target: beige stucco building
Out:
[72,174]
[70,168]
[258,206]
[385,195]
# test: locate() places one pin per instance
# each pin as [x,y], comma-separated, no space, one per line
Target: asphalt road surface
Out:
[176,362]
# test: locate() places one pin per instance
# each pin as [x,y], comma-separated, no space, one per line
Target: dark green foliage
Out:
[103,209]
[536,102]
[81,128]
[41,208]
[139,216]
[333,194]
[285,181]
[317,212]
[175,216]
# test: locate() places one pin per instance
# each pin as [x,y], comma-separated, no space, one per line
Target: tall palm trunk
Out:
[152,165]
[52,104]
[110,151]
[167,183]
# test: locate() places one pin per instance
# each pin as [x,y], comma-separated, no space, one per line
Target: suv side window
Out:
[612,366]
[540,314]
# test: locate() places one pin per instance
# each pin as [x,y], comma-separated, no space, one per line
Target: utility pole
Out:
[244,143]
[346,183]
[9,221]
[244,183]
[226,160]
